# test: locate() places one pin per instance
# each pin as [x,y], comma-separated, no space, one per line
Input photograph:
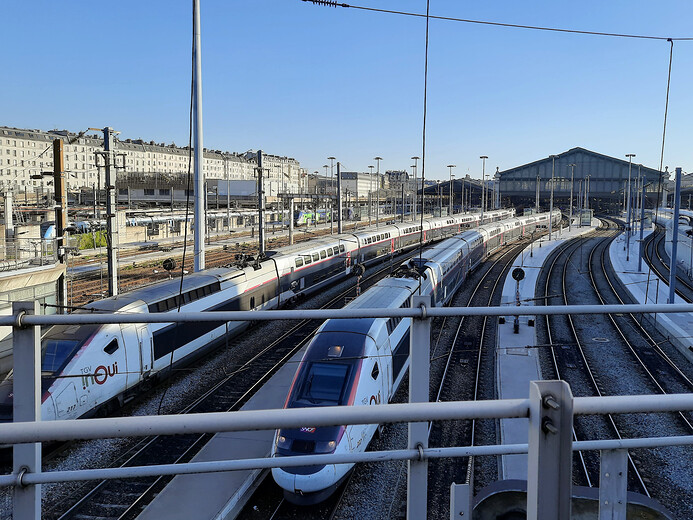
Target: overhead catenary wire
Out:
[501,24]
[423,144]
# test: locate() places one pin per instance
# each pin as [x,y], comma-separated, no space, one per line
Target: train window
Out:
[161,306]
[324,383]
[388,323]
[252,302]
[329,251]
[308,259]
[323,254]
[299,261]
[111,347]
[376,371]
[316,257]
[341,248]
[56,353]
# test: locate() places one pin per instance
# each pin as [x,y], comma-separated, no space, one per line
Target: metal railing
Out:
[550,409]
[24,253]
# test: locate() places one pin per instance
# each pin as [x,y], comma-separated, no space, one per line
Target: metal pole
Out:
[483,175]
[630,163]
[553,168]
[200,224]
[228,196]
[419,370]
[674,238]
[451,166]
[536,205]
[642,227]
[572,182]
[377,194]
[26,408]
[291,221]
[111,224]
[339,199]
[260,203]
[402,201]
[579,203]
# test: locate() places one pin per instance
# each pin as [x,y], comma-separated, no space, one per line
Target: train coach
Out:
[361,362]
[93,369]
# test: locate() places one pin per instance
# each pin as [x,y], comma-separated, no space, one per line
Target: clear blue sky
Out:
[310,82]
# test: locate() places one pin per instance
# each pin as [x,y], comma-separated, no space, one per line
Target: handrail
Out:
[324,314]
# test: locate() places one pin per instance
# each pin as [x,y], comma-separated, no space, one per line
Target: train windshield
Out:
[56,352]
[324,384]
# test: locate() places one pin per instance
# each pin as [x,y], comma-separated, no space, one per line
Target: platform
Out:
[677,327]
[222,495]
[517,361]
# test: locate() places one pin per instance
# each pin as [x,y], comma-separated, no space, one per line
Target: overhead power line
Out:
[328,3]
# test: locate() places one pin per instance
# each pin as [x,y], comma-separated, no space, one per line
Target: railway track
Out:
[126,498]
[569,362]
[656,257]
[590,351]
[459,379]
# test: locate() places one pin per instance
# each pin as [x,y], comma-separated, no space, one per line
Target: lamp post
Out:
[451,166]
[370,196]
[413,198]
[377,194]
[572,178]
[483,182]
[331,159]
[416,186]
[630,164]
[553,170]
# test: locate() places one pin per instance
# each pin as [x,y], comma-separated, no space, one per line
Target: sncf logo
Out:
[307,429]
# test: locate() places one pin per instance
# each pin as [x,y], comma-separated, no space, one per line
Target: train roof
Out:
[159,291]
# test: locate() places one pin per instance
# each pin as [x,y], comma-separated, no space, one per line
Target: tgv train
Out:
[361,362]
[93,369]
[305,217]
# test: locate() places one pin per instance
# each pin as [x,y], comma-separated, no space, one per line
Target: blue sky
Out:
[311,82]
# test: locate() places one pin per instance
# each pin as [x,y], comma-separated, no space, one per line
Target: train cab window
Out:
[111,347]
[299,261]
[316,257]
[324,383]
[341,248]
[323,254]
[56,352]
[376,371]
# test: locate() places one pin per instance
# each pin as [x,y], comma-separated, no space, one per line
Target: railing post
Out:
[613,485]
[419,359]
[549,470]
[461,498]
[27,408]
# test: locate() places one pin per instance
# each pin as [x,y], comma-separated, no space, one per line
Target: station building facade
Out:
[606,178]
[26,153]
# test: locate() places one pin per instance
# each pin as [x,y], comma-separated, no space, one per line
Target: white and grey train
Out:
[361,362]
[92,369]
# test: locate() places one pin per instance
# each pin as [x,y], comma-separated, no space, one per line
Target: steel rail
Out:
[590,371]
[653,344]
[554,359]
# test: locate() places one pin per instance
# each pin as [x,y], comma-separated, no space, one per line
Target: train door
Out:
[144,342]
